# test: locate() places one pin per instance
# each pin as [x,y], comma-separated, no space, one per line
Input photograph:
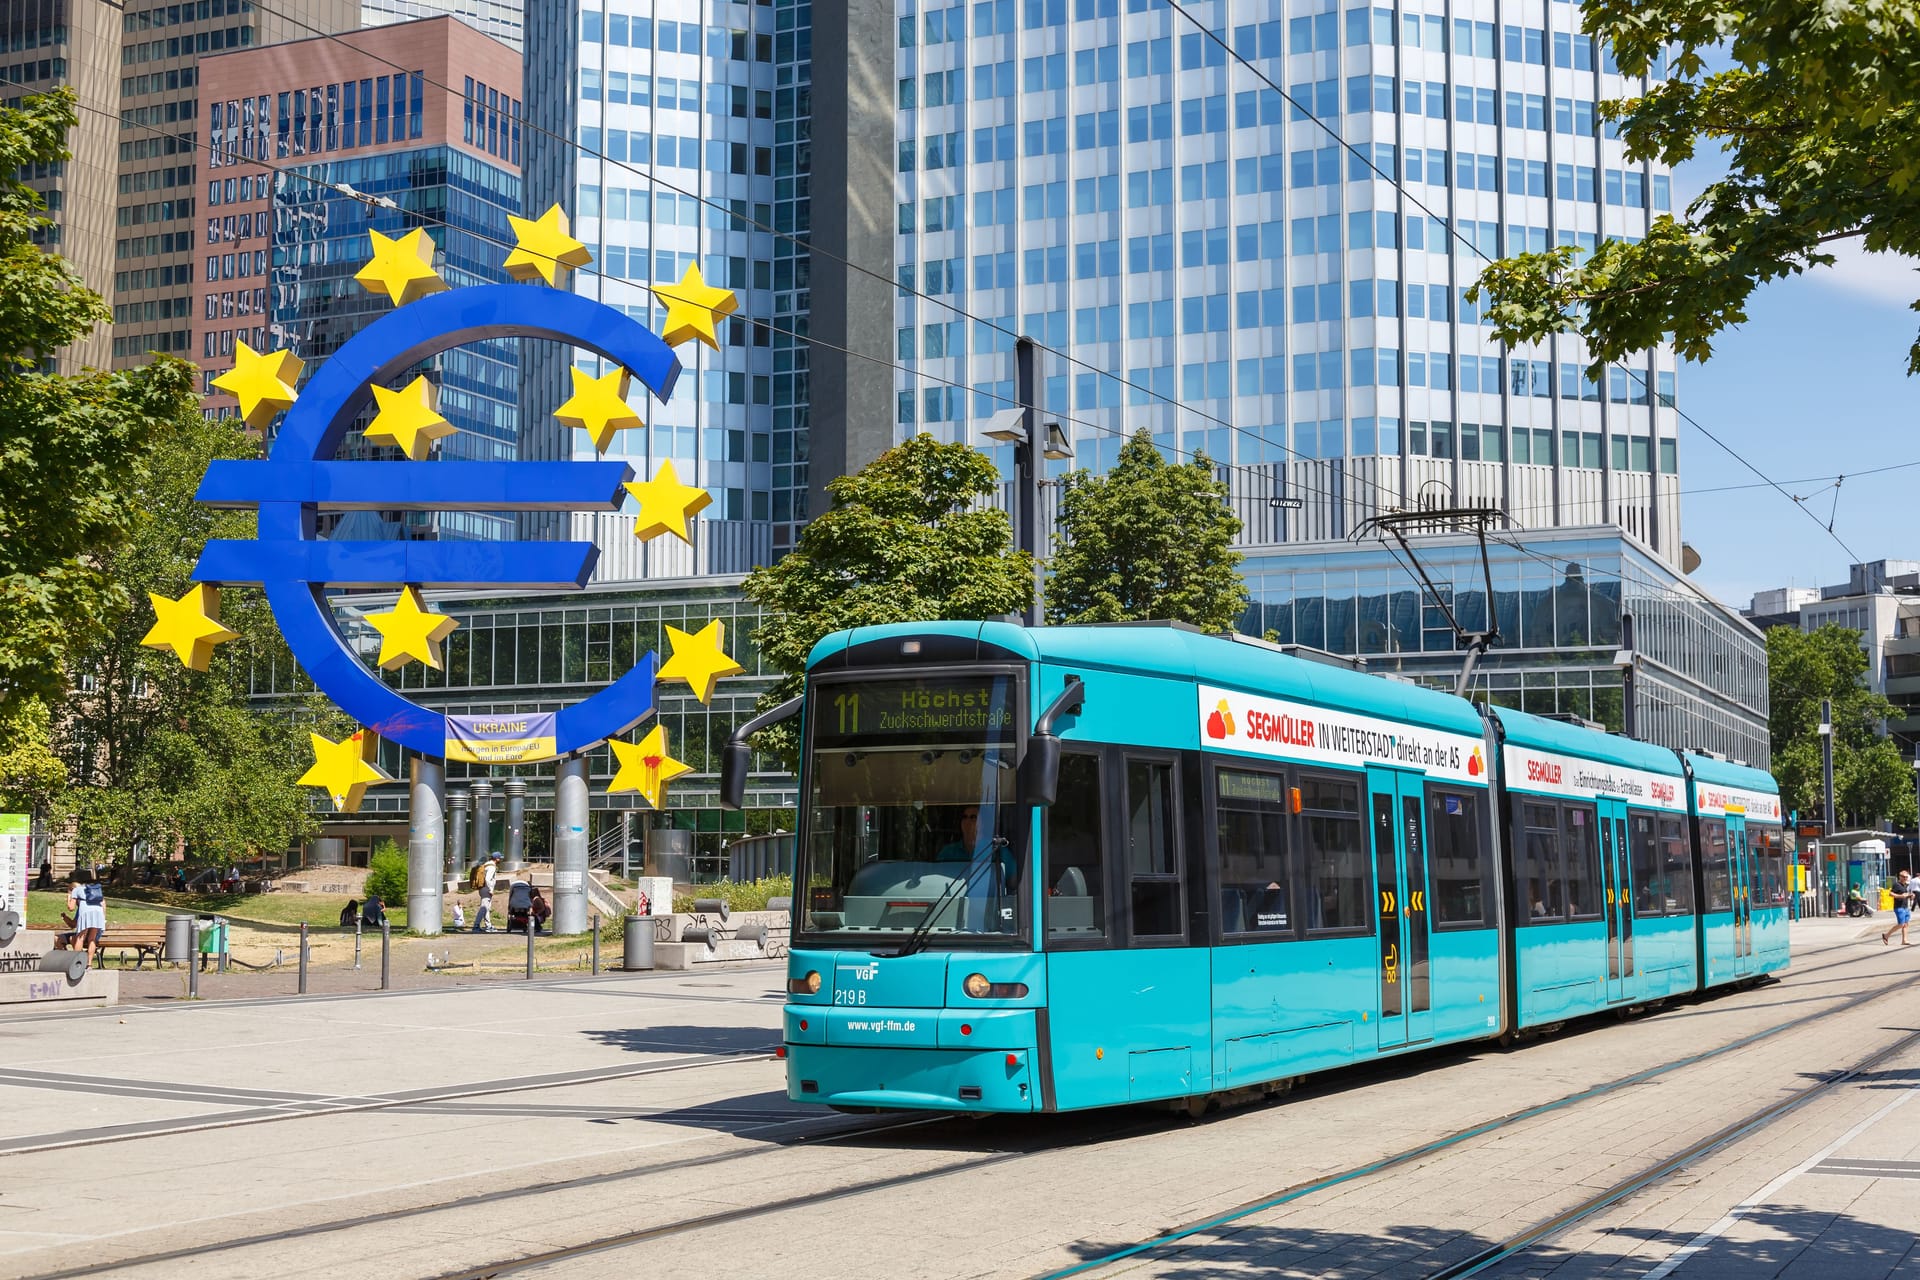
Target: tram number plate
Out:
[849,997]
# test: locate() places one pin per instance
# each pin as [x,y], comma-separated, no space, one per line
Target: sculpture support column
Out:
[457,804]
[570,845]
[482,834]
[426,844]
[516,841]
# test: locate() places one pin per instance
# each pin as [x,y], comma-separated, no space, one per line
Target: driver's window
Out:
[1076,881]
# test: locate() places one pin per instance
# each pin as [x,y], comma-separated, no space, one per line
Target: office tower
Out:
[691,136]
[312,145]
[504,20]
[45,44]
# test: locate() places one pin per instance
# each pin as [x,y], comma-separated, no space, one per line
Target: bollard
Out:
[596,944]
[529,947]
[386,939]
[193,968]
[356,944]
[303,957]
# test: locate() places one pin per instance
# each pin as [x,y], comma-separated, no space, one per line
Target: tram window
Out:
[1769,867]
[1256,876]
[1076,876]
[1713,865]
[1453,844]
[1339,871]
[1542,898]
[1152,861]
[1650,872]
[1583,862]
[1676,860]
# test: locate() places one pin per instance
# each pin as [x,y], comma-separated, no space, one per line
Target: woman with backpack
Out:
[88,900]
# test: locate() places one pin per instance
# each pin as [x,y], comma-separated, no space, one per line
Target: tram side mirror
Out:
[735,759]
[1040,770]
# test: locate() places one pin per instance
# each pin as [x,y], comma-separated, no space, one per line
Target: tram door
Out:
[1740,871]
[1398,823]
[1616,874]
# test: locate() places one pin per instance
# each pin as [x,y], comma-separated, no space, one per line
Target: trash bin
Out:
[179,946]
[213,935]
[639,943]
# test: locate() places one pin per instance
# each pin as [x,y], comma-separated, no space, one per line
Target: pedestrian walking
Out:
[483,878]
[1903,891]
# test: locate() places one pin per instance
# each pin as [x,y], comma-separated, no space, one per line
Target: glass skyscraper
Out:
[1237,270]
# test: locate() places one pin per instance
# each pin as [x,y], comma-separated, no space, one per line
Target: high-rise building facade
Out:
[45,44]
[1277,279]
[504,20]
[311,145]
[692,135]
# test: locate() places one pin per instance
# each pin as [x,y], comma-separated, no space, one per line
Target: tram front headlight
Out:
[977,986]
[807,986]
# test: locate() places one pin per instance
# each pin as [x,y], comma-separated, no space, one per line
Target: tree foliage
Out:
[1818,115]
[1148,540]
[387,874]
[907,539]
[73,450]
[31,775]
[1870,780]
[159,754]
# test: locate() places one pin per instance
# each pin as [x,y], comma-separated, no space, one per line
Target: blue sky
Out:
[1812,386]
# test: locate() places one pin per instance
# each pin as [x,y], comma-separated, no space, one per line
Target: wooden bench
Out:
[141,939]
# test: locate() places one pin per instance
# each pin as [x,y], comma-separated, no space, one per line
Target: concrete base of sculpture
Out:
[727,947]
[22,983]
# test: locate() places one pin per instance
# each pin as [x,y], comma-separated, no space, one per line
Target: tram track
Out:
[1227,1220]
[1752,1123]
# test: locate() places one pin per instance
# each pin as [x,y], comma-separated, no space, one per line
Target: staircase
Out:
[607,852]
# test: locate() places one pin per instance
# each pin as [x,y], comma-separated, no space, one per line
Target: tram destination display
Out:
[970,709]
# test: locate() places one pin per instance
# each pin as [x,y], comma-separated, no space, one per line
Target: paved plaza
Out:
[638,1123]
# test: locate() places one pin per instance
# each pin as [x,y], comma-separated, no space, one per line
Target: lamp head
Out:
[1007,427]
[1057,447]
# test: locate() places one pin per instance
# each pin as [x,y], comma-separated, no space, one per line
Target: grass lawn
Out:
[268,911]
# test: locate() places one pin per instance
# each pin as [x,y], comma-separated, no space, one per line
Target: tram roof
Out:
[1177,652]
[1725,773]
[1526,730]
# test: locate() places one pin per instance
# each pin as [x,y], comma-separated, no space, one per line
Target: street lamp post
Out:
[1627,660]
[1826,761]
[1031,443]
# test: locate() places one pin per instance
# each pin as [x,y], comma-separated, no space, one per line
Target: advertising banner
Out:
[1319,735]
[14,828]
[1548,772]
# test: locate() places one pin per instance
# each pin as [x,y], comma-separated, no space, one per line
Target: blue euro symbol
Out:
[299,479]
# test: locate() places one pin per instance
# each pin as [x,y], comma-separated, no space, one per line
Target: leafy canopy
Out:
[907,539]
[1870,780]
[74,451]
[159,754]
[1818,115]
[1148,540]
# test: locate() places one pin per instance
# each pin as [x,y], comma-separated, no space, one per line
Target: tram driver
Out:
[977,841]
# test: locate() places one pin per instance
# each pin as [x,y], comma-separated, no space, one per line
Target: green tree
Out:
[906,540]
[1870,780]
[1148,540]
[1816,113]
[31,775]
[160,754]
[74,451]
[387,874]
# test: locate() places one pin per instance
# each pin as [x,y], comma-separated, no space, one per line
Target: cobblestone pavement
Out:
[421,1132]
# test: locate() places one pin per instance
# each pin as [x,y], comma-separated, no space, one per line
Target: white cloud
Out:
[1876,277]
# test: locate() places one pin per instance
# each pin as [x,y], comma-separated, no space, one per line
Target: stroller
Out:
[520,907]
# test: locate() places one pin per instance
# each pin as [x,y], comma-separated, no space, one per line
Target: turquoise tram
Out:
[1068,867]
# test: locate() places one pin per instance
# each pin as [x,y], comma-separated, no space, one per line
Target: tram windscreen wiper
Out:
[918,938]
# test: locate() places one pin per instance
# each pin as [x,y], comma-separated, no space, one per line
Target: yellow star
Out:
[544,246]
[408,419]
[699,658]
[190,626]
[262,381]
[342,770]
[402,268]
[409,632]
[666,505]
[598,406]
[692,308]
[646,767]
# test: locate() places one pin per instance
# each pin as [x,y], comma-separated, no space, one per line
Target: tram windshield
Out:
[910,822]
